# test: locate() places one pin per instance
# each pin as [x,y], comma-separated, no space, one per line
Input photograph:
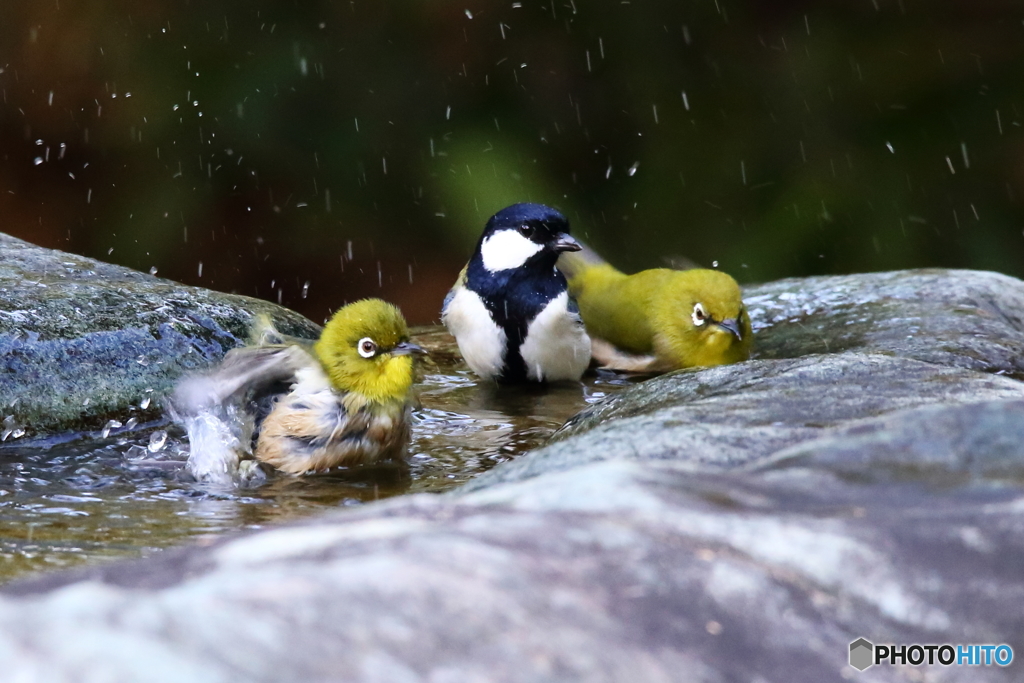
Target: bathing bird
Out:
[659,319]
[344,399]
[510,310]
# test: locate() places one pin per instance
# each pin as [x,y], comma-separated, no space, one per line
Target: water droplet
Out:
[152,270]
[157,440]
[888,145]
[632,169]
[305,289]
[469,15]
[111,424]
[145,403]
[131,424]
[37,161]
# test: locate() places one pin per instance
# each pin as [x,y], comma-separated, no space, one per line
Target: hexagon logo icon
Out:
[862,654]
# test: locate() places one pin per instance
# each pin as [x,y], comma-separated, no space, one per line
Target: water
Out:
[119,493]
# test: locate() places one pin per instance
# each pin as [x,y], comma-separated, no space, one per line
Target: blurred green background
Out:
[315,152]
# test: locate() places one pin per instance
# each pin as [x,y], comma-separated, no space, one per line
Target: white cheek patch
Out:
[507,249]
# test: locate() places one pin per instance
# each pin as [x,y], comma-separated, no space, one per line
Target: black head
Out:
[531,235]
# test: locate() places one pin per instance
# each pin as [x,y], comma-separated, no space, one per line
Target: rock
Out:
[960,318]
[616,571]
[741,523]
[82,341]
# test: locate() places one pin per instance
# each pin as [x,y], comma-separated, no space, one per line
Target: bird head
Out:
[704,321]
[524,235]
[365,348]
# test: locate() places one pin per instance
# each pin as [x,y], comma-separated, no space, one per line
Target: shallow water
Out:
[88,498]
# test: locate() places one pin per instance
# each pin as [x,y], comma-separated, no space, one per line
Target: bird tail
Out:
[573,263]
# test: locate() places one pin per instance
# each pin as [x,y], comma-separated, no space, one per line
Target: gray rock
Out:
[82,341]
[618,571]
[961,318]
[735,415]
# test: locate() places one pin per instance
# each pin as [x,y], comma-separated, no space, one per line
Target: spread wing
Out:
[251,368]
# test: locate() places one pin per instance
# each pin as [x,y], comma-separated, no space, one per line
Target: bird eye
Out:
[526,230]
[698,315]
[367,347]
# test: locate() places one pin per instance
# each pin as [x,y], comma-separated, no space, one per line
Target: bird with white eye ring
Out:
[659,319]
[344,400]
[510,310]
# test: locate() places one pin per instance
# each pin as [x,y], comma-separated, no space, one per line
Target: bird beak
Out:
[565,242]
[733,325]
[405,348]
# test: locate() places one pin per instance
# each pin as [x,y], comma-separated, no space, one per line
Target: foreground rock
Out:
[729,524]
[83,341]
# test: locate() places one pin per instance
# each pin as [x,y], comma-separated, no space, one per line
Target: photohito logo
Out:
[863,653]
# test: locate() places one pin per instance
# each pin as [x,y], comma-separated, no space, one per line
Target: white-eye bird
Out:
[510,310]
[659,319]
[343,400]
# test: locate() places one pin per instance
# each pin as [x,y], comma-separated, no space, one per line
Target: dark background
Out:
[244,145]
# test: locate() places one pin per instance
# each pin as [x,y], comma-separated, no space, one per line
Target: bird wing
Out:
[613,358]
[460,282]
[250,368]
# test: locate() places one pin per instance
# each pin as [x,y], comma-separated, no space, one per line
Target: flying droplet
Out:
[157,440]
[111,424]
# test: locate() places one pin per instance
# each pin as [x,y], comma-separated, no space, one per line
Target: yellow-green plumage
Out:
[382,378]
[650,315]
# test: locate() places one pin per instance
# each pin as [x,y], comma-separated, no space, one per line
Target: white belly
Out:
[480,340]
[557,346]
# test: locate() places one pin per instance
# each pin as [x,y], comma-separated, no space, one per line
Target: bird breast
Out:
[313,428]
[556,346]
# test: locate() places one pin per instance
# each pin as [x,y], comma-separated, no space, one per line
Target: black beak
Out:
[565,242]
[405,348]
[733,325]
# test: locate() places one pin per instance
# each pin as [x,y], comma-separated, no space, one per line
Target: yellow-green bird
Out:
[660,319]
[304,406]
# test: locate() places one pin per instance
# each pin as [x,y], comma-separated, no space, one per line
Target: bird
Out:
[510,310]
[660,319]
[300,406]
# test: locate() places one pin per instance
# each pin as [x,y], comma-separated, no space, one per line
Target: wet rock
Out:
[83,341]
[962,318]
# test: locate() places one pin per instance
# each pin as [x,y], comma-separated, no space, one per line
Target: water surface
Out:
[91,497]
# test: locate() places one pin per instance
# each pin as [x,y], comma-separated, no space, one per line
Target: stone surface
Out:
[962,318]
[862,478]
[83,341]
[617,571]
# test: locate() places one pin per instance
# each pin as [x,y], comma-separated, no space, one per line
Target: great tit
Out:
[303,407]
[510,310]
[660,319]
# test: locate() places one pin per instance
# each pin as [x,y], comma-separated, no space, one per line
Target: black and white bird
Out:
[510,309]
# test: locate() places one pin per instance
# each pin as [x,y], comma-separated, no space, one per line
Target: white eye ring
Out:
[698,315]
[367,347]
